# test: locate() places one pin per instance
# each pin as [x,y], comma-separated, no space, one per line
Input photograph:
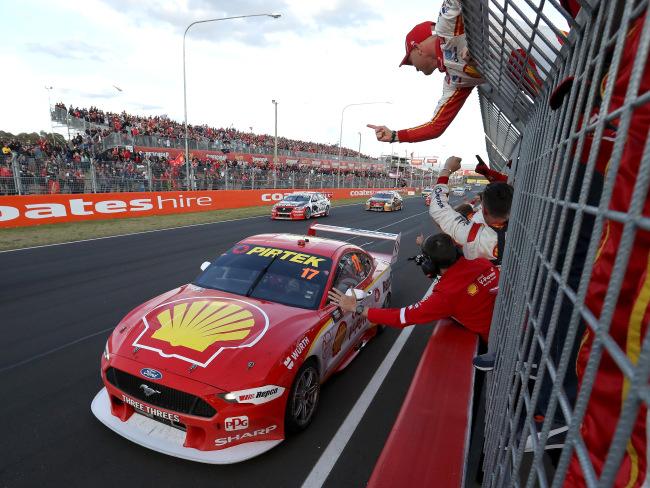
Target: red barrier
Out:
[27,210]
[429,442]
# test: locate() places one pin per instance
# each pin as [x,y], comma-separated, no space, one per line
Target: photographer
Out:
[466,291]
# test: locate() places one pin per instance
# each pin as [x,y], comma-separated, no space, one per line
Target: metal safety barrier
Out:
[567,101]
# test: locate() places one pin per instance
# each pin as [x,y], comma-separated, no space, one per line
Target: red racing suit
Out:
[466,292]
[460,77]
[631,317]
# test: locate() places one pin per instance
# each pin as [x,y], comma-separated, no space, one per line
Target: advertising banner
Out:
[28,210]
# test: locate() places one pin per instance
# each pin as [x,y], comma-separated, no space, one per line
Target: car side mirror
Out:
[205,265]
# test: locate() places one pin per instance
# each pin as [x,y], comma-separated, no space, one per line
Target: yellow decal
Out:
[203,324]
[472,289]
[294,257]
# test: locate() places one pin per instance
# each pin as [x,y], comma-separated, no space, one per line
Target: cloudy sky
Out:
[317,58]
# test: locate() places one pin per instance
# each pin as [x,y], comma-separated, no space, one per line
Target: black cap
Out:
[441,249]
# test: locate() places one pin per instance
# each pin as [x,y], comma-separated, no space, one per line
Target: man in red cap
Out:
[438,45]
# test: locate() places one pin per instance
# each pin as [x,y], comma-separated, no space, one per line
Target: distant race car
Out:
[385,201]
[301,205]
[426,192]
[224,368]
[468,187]
[427,200]
[458,190]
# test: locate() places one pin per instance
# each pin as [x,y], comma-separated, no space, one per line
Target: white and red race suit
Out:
[477,239]
[466,292]
[460,77]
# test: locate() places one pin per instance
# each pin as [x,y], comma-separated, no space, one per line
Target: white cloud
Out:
[320,56]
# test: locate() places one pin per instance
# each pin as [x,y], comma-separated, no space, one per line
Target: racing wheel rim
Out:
[305,397]
[307,213]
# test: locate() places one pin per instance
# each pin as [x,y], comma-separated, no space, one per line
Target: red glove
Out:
[490,174]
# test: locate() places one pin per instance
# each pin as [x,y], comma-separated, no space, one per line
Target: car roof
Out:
[317,245]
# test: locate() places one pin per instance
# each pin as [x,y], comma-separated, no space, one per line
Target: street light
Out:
[359,151]
[187,149]
[49,110]
[275,145]
[341,131]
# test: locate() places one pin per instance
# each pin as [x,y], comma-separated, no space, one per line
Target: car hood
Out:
[217,338]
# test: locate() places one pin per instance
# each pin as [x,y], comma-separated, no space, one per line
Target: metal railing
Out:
[573,301]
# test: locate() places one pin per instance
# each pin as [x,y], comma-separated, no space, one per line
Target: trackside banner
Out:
[27,210]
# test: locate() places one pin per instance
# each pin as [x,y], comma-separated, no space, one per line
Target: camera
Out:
[419,259]
[426,264]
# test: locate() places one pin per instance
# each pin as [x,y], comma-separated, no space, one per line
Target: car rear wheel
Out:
[327,211]
[307,213]
[303,399]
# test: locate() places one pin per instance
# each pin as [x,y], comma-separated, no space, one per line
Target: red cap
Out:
[417,34]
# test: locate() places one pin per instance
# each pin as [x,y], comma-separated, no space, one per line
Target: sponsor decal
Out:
[150,410]
[339,338]
[148,391]
[274,197]
[79,206]
[197,330]
[295,354]
[487,279]
[293,256]
[257,396]
[152,374]
[222,441]
[236,423]
[472,289]
[386,285]
[241,249]
[376,294]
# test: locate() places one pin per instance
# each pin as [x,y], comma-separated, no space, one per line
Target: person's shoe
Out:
[485,362]
[555,439]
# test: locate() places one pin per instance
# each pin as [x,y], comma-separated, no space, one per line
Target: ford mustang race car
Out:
[301,205]
[222,369]
[385,201]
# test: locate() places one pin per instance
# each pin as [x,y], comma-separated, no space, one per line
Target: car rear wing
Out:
[359,233]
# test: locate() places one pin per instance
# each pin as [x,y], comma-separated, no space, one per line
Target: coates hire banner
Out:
[26,210]
[260,159]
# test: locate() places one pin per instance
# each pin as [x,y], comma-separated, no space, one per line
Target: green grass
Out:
[40,235]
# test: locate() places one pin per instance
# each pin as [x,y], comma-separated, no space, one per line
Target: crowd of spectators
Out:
[162,126]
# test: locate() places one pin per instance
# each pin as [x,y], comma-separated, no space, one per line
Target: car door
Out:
[338,340]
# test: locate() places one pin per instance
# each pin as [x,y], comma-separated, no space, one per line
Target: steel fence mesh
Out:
[566,157]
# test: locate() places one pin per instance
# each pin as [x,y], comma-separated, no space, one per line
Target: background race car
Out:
[301,205]
[385,201]
[222,369]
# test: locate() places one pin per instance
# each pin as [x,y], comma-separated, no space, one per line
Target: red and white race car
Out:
[301,205]
[222,369]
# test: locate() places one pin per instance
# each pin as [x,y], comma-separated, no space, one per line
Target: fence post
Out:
[93,177]
[16,170]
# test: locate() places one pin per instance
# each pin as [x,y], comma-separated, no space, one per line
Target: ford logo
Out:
[151,373]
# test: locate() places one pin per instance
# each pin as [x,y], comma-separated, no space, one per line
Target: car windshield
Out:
[296,198]
[269,273]
[382,195]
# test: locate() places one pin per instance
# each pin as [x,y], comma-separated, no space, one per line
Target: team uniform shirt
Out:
[460,77]
[466,292]
[477,239]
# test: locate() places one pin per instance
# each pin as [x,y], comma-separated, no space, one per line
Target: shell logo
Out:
[198,330]
[472,289]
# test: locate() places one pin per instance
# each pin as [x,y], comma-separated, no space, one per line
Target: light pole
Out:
[49,112]
[187,150]
[341,131]
[359,151]
[275,144]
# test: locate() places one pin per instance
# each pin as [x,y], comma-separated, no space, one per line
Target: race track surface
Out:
[58,305]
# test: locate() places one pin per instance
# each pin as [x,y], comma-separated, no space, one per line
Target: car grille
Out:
[169,398]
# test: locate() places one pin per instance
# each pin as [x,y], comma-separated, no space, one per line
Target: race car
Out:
[426,192]
[385,201]
[301,205]
[222,369]
[427,200]
[458,190]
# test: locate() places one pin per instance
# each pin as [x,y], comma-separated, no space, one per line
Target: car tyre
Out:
[303,398]
[307,213]
[327,211]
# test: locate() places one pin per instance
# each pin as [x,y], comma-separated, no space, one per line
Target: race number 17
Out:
[309,273]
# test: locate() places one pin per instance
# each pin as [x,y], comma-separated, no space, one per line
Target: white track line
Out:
[150,231]
[323,467]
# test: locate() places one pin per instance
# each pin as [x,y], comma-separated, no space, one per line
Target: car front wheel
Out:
[303,399]
[307,213]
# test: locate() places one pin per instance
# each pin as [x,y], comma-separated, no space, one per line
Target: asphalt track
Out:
[59,303]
